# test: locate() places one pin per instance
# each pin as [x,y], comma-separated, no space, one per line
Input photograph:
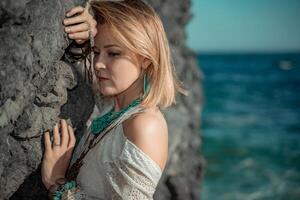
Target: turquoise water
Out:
[251,127]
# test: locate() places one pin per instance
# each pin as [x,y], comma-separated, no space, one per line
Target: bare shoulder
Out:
[149,132]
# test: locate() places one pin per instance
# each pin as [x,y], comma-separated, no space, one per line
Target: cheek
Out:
[124,75]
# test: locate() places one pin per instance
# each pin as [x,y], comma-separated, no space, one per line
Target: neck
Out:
[126,97]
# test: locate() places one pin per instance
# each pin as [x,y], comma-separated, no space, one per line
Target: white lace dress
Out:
[116,168]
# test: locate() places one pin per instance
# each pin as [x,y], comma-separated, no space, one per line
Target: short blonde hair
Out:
[137,26]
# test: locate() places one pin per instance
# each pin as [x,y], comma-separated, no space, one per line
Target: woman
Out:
[123,153]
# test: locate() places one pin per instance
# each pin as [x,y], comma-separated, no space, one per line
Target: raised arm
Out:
[78,23]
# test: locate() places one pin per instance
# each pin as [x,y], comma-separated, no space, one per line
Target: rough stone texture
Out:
[38,86]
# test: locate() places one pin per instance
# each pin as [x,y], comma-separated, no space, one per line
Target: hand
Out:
[78,26]
[57,157]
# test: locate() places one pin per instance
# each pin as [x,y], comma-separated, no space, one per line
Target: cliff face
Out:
[38,86]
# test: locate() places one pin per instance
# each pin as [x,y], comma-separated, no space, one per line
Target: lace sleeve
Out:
[133,176]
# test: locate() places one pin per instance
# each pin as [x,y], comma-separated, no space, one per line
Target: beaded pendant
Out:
[100,123]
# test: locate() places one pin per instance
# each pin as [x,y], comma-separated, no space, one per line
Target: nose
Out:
[99,63]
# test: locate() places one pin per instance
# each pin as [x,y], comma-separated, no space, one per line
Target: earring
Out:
[146,85]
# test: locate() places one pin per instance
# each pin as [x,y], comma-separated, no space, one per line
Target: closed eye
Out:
[113,54]
[109,53]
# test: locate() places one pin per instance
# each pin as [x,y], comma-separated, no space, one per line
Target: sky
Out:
[244,25]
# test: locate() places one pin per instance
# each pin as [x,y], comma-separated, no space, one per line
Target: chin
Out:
[107,93]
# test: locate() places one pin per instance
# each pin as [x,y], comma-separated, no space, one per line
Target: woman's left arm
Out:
[56,159]
[58,153]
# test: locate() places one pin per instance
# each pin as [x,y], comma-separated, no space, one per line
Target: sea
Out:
[251,126]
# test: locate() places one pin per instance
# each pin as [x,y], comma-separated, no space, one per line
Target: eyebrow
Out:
[109,45]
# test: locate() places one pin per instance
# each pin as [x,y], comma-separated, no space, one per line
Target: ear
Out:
[145,63]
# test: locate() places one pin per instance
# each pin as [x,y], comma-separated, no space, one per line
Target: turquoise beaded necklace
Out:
[100,123]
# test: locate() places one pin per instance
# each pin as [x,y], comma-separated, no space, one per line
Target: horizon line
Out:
[245,52]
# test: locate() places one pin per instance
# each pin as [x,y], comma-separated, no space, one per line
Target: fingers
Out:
[72,138]
[77,28]
[77,9]
[64,137]
[80,35]
[56,136]
[75,20]
[64,133]
[47,141]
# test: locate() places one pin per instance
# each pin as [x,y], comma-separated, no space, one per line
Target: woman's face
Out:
[116,68]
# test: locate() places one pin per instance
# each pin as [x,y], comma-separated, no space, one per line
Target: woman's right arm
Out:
[78,23]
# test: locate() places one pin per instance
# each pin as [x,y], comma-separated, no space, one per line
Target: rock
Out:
[38,86]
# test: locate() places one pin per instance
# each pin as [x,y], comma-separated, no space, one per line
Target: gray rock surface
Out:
[38,86]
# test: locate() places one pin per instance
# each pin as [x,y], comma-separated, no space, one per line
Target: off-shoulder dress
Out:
[115,168]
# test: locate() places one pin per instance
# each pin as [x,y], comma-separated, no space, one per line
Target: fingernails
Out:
[67,29]
[65,21]
[71,35]
[68,14]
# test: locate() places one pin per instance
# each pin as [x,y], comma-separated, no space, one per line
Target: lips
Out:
[102,78]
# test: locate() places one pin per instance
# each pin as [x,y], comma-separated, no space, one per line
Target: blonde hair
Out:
[136,25]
